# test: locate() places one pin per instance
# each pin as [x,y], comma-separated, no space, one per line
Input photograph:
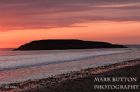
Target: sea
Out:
[16,66]
[10,59]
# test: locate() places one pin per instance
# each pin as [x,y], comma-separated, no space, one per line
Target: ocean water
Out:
[22,59]
[18,66]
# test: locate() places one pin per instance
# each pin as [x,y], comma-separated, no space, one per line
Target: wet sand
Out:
[83,80]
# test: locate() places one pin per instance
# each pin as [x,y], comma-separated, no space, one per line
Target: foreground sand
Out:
[82,81]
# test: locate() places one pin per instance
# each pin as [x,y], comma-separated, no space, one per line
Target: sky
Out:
[115,21]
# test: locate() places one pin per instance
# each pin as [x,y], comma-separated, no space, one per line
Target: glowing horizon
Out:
[96,20]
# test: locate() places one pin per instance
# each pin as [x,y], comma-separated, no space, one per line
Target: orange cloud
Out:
[115,32]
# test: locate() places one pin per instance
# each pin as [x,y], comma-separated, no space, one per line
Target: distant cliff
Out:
[66,44]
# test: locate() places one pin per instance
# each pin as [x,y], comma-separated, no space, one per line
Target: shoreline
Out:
[51,83]
[53,61]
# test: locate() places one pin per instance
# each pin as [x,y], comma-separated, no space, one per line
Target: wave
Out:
[31,60]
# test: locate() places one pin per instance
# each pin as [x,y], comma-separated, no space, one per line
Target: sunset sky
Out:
[115,21]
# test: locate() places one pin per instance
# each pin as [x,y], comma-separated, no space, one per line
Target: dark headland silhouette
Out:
[63,44]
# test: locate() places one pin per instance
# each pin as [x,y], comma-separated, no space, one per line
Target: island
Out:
[64,44]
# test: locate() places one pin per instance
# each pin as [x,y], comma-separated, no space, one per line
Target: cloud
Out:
[42,14]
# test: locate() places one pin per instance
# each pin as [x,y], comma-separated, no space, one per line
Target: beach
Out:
[125,73]
[63,75]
